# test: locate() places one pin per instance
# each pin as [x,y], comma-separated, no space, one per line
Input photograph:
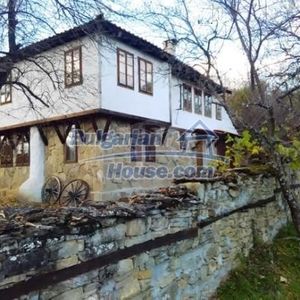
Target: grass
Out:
[270,272]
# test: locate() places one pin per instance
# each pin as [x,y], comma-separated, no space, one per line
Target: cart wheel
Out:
[74,193]
[51,190]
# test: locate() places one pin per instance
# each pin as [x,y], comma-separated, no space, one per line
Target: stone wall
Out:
[10,180]
[175,251]
[93,169]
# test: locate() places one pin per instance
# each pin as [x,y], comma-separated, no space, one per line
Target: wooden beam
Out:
[95,125]
[165,135]
[43,135]
[59,134]
[105,131]
[84,115]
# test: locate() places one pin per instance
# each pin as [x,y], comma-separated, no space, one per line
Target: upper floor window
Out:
[218,112]
[125,69]
[145,76]
[198,101]
[5,94]
[208,105]
[187,98]
[73,67]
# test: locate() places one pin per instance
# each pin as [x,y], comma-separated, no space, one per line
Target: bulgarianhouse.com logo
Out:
[148,153]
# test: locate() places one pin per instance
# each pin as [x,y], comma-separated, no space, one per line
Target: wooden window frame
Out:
[126,69]
[10,165]
[72,67]
[210,114]
[218,112]
[140,153]
[9,87]
[66,161]
[201,101]
[146,78]
[184,101]
[27,162]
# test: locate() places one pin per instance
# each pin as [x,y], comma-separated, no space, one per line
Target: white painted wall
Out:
[185,120]
[61,100]
[30,190]
[100,90]
[128,101]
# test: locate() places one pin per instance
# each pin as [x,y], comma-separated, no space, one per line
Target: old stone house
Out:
[92,80]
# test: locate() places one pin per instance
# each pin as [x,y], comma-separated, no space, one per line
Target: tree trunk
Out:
[6,66]
[12,26]
[290,198]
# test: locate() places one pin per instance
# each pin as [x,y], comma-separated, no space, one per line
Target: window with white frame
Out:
[218,112]
[187,97]
[198,101]
[208,105]
[5,94]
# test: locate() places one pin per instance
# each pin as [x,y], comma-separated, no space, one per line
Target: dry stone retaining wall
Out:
[178,252]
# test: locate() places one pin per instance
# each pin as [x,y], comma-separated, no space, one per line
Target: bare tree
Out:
[268,32]
[23,22]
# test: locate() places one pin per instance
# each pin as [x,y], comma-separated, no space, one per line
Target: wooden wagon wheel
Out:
[51,190]
[74,193]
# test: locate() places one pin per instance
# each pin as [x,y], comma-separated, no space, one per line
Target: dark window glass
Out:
[6,152]
[208,105]
[187,98]
[22,151]
[198,101]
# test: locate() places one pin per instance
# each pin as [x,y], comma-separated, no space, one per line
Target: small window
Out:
[73,67]
[198,101]
[208,105]
[22,151]
[5,94]
[125,69]
[142,145]
[6,152]
[218,112]
[187,98]
[145,76]
[71,149]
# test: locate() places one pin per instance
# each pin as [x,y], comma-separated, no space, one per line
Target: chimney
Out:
[170,46]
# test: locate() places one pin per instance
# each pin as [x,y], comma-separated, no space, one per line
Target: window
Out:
[73,67]
[22,151]
[182,140]
[145,76]
[198,101]
[142,145]
[125,69]
[5,94]
[218,112]
[187,98]
[6,152]
[71,153]
[208,105]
